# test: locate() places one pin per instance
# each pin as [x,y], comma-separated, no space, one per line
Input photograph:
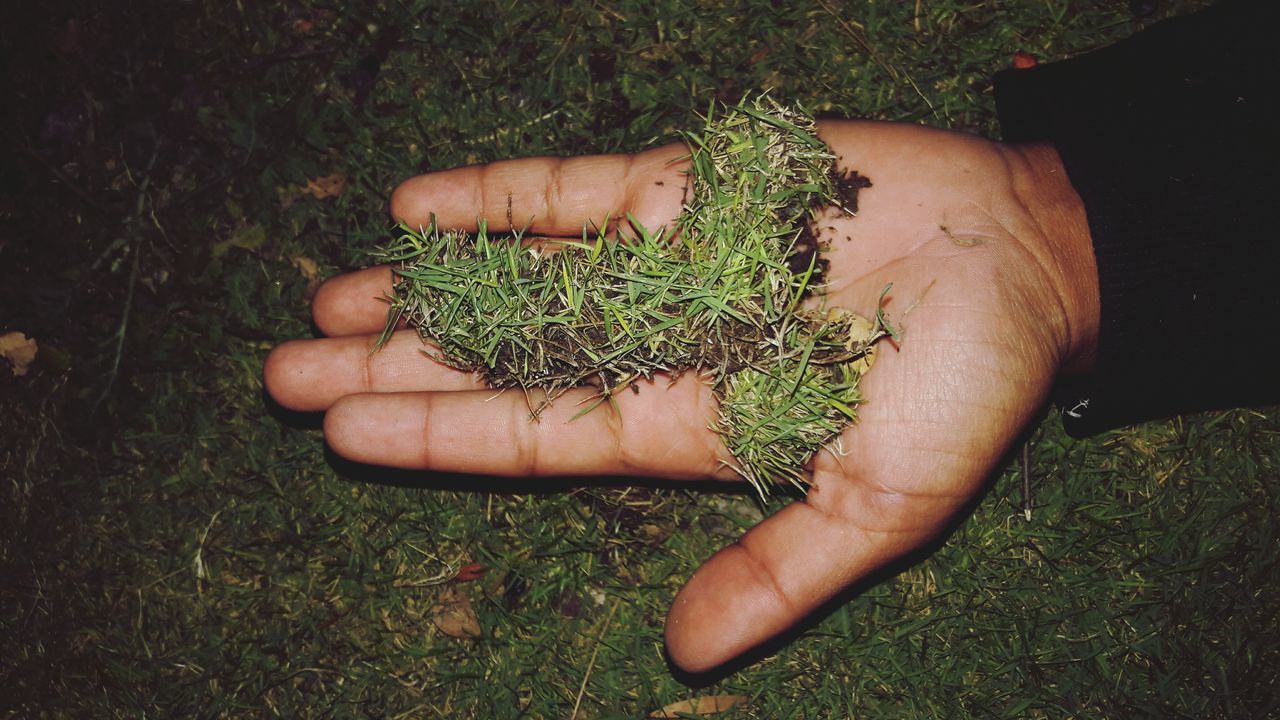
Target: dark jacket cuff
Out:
[1168,138]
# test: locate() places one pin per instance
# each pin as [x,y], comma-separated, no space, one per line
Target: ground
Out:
[175,175]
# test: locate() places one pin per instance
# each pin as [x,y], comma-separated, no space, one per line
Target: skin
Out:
[994,286]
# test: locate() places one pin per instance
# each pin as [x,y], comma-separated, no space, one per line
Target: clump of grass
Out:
[733,291]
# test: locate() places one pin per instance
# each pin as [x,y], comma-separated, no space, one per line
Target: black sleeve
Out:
[1170,139]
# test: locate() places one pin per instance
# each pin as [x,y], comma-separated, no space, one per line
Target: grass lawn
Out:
[174,174]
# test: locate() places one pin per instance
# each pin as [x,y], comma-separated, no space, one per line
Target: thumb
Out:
[786,567]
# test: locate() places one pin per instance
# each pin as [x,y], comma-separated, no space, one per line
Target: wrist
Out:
[1041,182]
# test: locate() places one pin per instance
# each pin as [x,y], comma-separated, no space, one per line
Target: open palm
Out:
[993,287]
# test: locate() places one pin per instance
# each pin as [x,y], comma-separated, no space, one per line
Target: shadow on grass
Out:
[291,418]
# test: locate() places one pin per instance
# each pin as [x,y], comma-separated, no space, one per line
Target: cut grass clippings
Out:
[733,291]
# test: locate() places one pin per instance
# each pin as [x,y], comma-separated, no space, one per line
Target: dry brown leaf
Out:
[19,350]
[326,187]
[453,615]
[656,535]
[705,705]
[310,270]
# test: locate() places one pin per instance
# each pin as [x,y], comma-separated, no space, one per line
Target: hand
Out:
[994,288]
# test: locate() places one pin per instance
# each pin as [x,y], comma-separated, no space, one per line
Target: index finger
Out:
[549,195]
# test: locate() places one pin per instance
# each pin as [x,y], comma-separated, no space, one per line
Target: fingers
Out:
[549,196]
[660,431]
[311,375]
[855,520]
[786,567]
[775,575]
[353,303]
